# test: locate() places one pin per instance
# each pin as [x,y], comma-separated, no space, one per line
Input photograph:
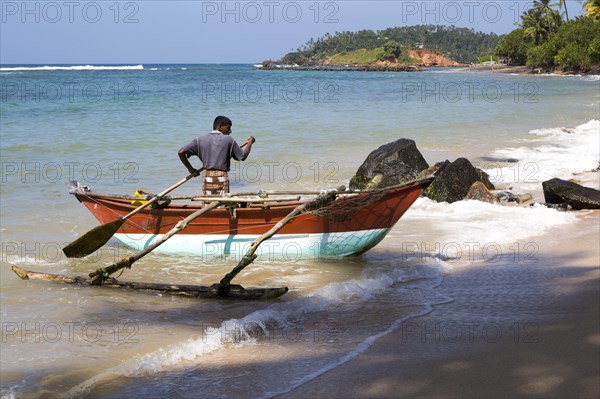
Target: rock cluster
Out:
[400,161]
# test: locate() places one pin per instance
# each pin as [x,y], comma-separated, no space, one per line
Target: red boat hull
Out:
[366,215]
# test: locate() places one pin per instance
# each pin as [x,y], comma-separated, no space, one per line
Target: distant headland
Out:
[394,49]
[415,59]
[543,43]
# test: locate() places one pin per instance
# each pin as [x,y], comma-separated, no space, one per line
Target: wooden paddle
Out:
[99,235]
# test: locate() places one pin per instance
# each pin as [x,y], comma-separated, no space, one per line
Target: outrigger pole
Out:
[102,274]
[250,256]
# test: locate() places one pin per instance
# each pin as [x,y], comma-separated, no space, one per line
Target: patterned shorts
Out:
[215,182]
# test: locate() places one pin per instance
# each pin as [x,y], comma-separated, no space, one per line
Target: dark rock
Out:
[557,191]
[480,192]
[453,182]
[397,162]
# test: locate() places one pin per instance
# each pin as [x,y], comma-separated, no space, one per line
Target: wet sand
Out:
[527,328]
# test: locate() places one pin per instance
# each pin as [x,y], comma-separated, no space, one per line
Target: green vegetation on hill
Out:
[363,56]
[547,41]
[460,44]
[360,56]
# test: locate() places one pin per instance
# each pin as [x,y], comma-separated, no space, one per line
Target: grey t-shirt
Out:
[215,150]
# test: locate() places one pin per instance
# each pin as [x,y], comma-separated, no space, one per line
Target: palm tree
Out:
[592,8]
[540,21]
[533,25]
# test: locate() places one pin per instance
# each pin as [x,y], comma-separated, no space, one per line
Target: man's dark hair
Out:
[221,121]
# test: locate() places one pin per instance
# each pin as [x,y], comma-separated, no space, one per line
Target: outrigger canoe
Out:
[350,224]
[335,223]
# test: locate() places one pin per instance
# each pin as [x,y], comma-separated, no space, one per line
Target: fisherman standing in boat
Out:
[215,150]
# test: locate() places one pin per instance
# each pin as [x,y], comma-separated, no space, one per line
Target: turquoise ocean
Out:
[117,128]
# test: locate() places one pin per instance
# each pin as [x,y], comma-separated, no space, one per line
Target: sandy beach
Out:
[497,68]
[518,70]
[521,329]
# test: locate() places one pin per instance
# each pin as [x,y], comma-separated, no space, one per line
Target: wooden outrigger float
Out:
[234,291]
[336,223]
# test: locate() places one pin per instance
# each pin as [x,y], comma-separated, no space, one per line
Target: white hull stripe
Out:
[280,247]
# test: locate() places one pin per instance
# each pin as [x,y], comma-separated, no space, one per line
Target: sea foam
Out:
[548,153]
[73,68]
[477,222]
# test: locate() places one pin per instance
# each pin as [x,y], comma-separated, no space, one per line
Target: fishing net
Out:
[347,204]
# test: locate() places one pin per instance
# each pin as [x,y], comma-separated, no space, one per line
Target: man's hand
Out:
[248,144]
[187,164]
[194,172]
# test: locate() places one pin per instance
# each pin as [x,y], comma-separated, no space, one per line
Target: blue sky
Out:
[160,31]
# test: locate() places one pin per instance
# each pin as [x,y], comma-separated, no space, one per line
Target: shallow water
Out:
[77,341]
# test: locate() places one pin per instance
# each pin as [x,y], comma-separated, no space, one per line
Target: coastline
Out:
[519,70]
[513,330]
[476,68]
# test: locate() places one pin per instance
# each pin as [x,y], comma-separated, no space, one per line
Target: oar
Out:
[99,235]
